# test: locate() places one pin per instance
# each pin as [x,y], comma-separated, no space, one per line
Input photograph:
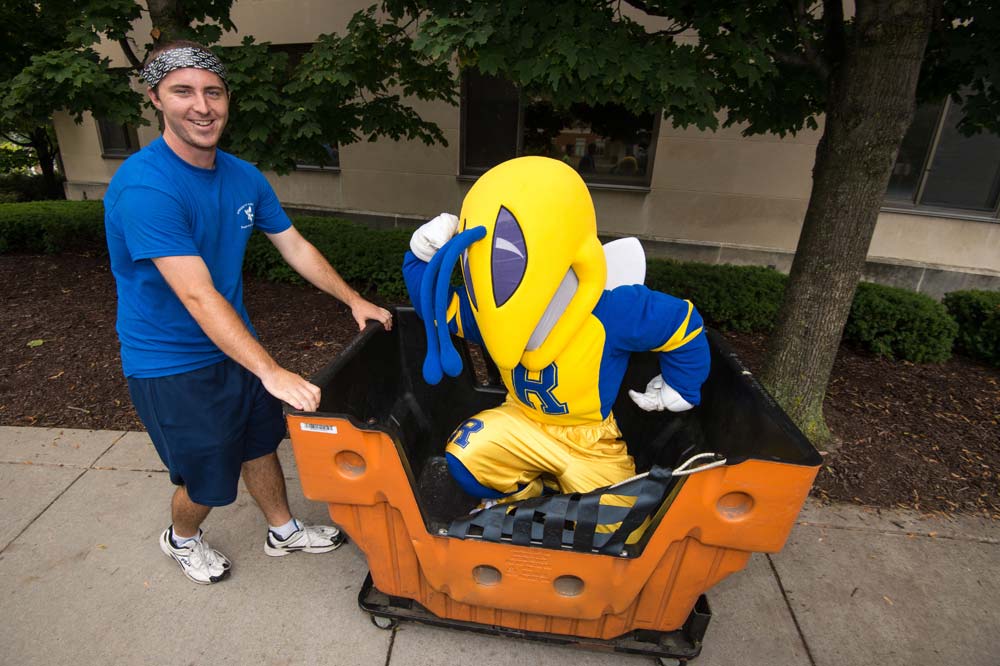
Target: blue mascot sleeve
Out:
[637,319]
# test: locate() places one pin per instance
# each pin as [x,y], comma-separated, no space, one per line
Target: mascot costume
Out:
[559,314]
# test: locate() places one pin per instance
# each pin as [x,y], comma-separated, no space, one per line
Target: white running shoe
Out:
[308,539]
[199,561]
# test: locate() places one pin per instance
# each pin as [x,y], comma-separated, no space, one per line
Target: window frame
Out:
[131,139]
[914,207]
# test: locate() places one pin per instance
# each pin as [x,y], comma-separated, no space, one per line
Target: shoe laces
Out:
[202,555]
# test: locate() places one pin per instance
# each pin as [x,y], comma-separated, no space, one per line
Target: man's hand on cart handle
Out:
[432,236]
[660,395]
[363,310]
[292,388]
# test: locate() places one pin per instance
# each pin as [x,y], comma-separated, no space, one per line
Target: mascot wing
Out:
[626,262]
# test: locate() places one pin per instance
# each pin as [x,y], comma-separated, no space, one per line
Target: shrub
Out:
[901,324]
[888,321]
[738,298]
[367,259]
[978,315]
[51,226]
[27,187]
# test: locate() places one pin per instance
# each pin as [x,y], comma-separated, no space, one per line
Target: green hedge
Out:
[736,298]
[884,320]
[19,187]
[367,259]
[978,316]
[900,324]
[51,226]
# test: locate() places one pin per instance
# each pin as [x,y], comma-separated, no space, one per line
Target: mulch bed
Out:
[924,437]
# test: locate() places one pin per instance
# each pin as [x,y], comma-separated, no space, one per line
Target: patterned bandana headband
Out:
[180,58]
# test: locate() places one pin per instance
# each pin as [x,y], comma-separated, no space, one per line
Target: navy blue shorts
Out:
[206,423]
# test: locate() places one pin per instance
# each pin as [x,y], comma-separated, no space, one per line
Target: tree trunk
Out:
[168,20]
[871,102]
[46,157]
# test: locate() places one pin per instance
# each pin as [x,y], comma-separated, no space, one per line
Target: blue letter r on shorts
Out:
[460,437]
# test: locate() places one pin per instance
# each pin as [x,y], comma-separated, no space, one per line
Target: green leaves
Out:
[344,88]
[74,80]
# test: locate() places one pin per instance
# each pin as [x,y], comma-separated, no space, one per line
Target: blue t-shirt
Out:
[158,205]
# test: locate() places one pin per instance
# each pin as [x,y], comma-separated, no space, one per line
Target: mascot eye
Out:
[510,257]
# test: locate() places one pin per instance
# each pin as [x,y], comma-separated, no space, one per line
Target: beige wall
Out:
[713,196]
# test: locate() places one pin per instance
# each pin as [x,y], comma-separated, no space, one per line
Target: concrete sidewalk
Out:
[83,582]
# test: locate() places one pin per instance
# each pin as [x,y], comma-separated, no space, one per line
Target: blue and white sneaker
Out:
[199,561]
[308,539]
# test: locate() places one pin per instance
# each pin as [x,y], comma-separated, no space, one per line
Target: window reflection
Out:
[606,144]
[939,168]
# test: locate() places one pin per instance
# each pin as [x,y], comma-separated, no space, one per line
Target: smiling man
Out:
[178,215]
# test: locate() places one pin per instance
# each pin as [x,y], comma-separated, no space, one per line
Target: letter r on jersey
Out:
[541,388]
[460,437]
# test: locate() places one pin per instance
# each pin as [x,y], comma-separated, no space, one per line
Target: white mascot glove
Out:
[431,236]
[660,395]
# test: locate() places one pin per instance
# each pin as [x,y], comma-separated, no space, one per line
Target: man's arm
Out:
[190,279]
[307,261]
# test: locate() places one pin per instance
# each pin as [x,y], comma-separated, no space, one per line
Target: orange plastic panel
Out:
[716,520]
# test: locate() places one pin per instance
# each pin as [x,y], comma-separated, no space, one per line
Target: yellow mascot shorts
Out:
[509,452]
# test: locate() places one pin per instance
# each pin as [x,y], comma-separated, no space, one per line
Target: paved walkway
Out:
[82,582]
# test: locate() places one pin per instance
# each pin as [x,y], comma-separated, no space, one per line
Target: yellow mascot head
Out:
[540,269]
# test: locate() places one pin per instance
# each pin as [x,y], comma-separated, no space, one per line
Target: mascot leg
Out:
[503,456]
[596,456]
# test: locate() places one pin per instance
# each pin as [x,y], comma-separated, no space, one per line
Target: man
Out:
[178,216]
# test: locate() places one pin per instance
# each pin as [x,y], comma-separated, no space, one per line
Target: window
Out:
[606,144]
[117,139]
[939,169]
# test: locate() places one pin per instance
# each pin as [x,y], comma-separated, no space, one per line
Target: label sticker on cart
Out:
[319,427]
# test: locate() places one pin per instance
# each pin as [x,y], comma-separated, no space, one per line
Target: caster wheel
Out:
[671,661]
[384,622]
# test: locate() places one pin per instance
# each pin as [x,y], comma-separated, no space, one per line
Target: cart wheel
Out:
[671,661]
[383,622]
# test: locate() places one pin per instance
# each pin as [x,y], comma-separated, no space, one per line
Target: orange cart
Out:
[719,482]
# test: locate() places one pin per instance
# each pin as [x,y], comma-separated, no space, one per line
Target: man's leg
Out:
[265,428]
[187,515]
[266,484]
[188,440]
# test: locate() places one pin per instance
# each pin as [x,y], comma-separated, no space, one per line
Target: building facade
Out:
[714,197]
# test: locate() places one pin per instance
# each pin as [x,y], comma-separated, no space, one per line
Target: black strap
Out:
[651,492]
[555,521]
[570,520]
[586,520]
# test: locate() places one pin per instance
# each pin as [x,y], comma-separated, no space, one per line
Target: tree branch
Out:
[15,141]
[130,54]
[793,59]
[833,29]
[813,58]
[670,32]
[644,7]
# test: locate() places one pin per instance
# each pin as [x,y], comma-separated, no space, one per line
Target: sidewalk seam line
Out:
[105,451]
[39,514]
[791,611]
[99,468]
[898,533]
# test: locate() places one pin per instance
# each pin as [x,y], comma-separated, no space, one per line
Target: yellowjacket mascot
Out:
[559,314]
